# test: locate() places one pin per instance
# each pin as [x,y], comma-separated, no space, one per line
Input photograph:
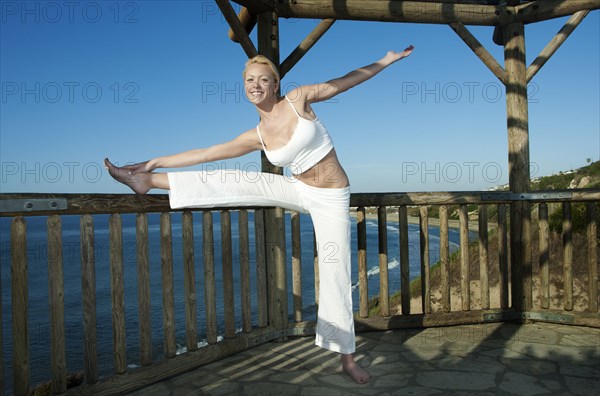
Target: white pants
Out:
[329,210]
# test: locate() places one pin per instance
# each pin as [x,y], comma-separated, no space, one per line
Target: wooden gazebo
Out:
[508,17]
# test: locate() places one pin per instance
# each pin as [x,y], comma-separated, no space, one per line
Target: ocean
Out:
[39,329]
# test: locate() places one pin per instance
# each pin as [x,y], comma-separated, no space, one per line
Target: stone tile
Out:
[156,389]
[527,366]
[553,386]
[197,376]
[391,380]
[425,353]
[320,391]
[386,358]
[456,380]
[418,391]
[473,364]
[381,369]
[503,353]
[222,388]
[269,388]
[591,340]
[557,353]
[521,384]
[260,374]
[536,333]
[423,366]
[583,386]
[342,380]
[298,377]
[575,370]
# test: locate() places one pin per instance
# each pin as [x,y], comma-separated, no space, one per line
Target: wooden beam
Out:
[537,11]
[468,12]
[480,51]
[440,12]
[555,43]
[236,26]
[305,45]
[248,21]
[79,204]
[256,7]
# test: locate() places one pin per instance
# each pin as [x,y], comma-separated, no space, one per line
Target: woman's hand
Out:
[393,56]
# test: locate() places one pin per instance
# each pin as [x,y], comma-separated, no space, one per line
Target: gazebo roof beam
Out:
[537,11]
[305,45]
[555,43]
[480,51]
[467,12]
[235,25]
[392,11]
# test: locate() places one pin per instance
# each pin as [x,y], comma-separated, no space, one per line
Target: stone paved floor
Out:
[489,359]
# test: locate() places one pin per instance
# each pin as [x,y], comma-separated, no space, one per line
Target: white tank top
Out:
[309,144]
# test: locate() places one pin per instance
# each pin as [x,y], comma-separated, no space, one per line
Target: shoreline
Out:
[432,221]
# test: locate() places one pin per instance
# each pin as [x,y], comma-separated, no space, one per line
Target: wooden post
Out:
[404,259]
[444,259]
[465,265]
[483,257]
[88,293]
[58,360]
[189,280]
[567,248]
[384,298]
[208,255]
[297,266]
[227,271]
[518,161]
[19,298]
[544,243]
[424,246]
[268,45]
[362,262]
[143,271]
[503,256]
[261,267]
[117,287]
[244,244]
[592,236]
[168,292]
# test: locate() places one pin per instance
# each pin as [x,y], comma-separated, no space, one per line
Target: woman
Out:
[291,135]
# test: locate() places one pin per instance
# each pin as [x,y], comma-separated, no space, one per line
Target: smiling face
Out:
[260,83]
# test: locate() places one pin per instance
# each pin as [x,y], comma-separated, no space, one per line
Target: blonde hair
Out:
[261,60]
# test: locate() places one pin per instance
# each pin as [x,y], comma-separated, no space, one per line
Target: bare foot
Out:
[139,182]
[358,374]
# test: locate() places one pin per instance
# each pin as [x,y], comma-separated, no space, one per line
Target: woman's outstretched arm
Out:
[327,90]
[241,145]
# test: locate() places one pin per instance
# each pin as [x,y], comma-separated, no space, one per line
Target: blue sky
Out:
[134,80]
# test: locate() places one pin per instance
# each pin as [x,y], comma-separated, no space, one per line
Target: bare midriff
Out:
[327,173]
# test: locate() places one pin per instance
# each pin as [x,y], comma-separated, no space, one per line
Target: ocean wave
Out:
[394,263]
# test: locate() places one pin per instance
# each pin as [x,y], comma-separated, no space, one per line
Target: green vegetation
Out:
[565,180]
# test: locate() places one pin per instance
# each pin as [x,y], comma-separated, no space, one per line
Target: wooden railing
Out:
[443,296]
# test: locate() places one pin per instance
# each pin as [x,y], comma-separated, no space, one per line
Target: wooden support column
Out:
[518,163]
[268,45]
